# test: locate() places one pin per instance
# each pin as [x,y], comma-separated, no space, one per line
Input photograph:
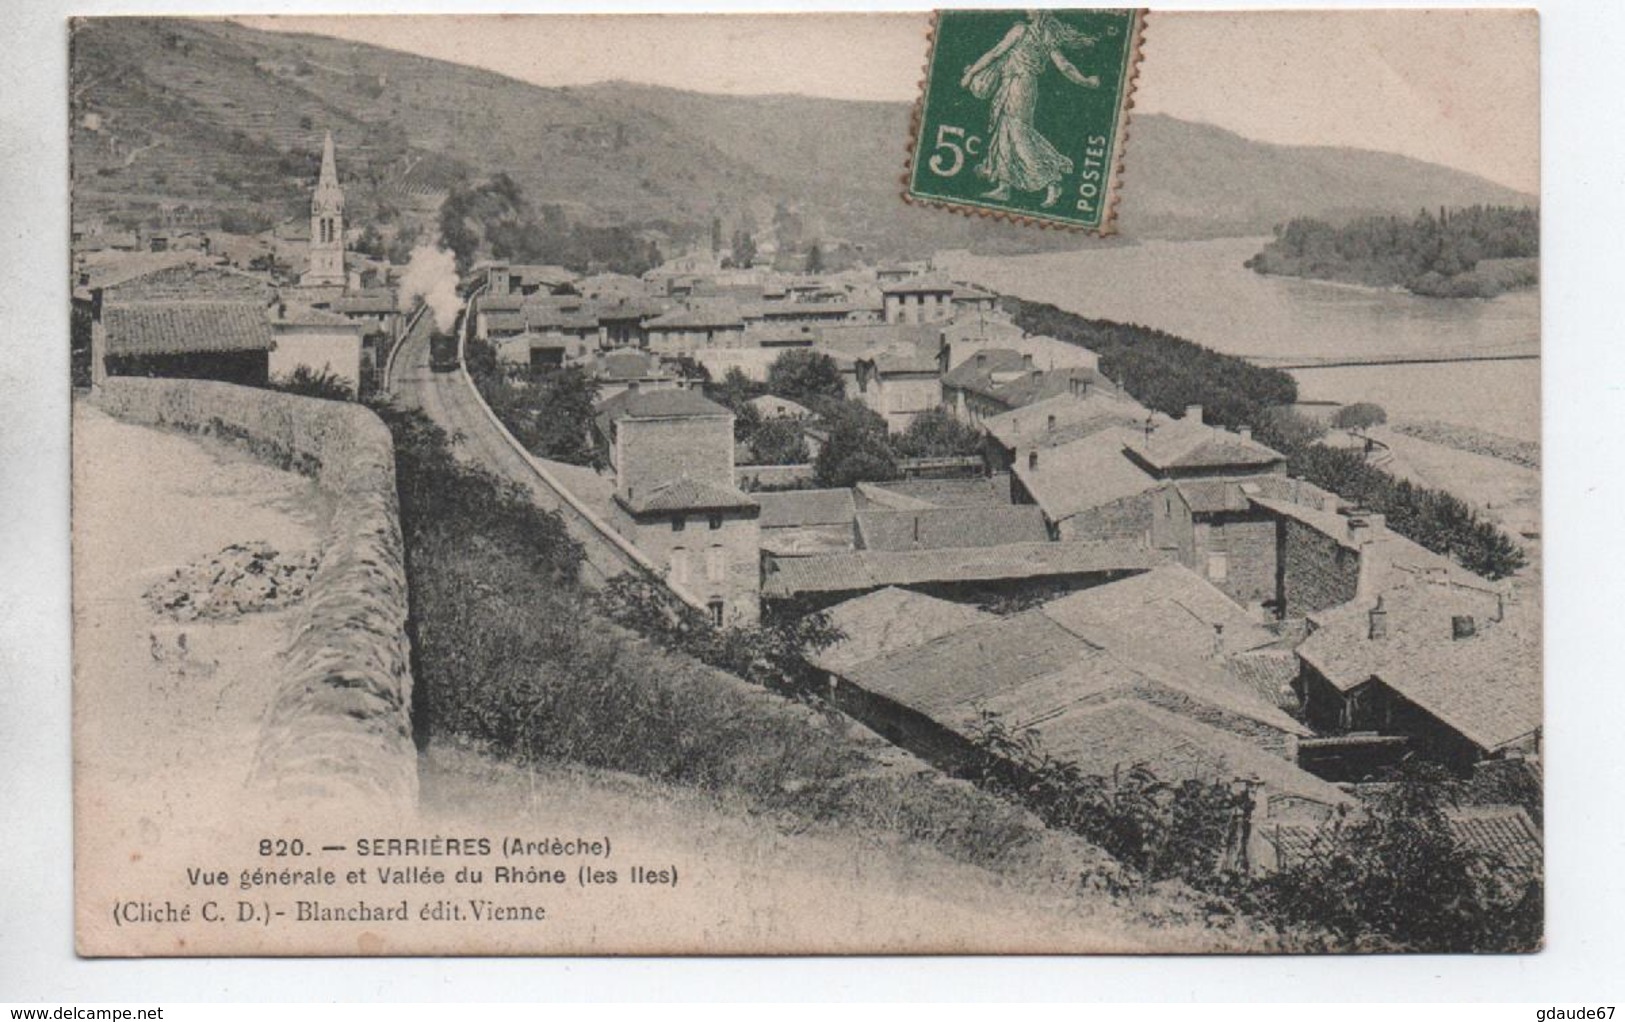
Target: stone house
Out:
[1452,668]
[672,452]
[317,340]
[691,328]
[929,674]
[920,299]
[992,381]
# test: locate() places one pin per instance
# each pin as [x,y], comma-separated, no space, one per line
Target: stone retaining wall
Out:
[340,726]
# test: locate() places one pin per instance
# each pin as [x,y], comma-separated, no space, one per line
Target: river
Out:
[1201,291]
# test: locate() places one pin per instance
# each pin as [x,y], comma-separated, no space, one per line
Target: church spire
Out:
[327,225]
[329,196]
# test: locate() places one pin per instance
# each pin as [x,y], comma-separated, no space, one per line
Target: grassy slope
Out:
[762,883]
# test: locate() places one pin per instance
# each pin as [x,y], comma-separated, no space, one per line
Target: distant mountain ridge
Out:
[218,115]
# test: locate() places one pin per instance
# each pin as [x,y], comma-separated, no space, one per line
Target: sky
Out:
[1457,87]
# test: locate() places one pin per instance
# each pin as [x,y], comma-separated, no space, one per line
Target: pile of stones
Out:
[241,579]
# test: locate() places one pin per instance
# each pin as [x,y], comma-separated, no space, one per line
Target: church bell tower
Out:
[326,225]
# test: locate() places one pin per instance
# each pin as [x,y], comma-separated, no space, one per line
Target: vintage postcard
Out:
[561,485]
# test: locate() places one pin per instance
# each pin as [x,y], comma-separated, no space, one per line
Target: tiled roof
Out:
[1187,443]
[874,495]
[540,274]
[1124,733]
[1073,419]
[947,676]
[1016,376]
[1268,674]
[854,339]
[1199,691]
[1083,474]
[541,318]
[188,282]
[1030,388]
[687,494]
[1166,615]
[895,361]
[800,508]
[1505,833]
[920,285]
[1486,688]
[672,402]
[975,371]
[1213,496]
[806,540]
[870,569]
[628,365]
[699,315]
[951,527]
[186,327]
[888,620]
[366,302]
[305,315]
[903,494]
[512,302]
[782,310]
[971,293]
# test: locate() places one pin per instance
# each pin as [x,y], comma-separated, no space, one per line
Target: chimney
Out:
[1462,626]
[1245,432]
[1379,621]
[1193,412]
[1032,461]
[1364,527]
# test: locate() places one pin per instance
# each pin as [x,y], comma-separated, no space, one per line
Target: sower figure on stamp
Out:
[1017,155]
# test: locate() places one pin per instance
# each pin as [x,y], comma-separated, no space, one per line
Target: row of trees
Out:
[1422,254]
[548,410]
[1166,373]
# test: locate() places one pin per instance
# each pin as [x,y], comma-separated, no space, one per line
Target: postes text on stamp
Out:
[1023,114]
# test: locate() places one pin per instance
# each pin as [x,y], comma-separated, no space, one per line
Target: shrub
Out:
[1387,877]
[309,382]
[1393,878]
[1359,415]
[937,433]
[1189,831]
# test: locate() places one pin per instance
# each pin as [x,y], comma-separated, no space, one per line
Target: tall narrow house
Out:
[326,226]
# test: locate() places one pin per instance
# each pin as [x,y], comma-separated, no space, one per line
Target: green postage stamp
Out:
[1023,114]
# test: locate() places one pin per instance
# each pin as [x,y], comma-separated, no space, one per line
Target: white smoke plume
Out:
[431,274]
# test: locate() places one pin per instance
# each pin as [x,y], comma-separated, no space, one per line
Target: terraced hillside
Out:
[219,116]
